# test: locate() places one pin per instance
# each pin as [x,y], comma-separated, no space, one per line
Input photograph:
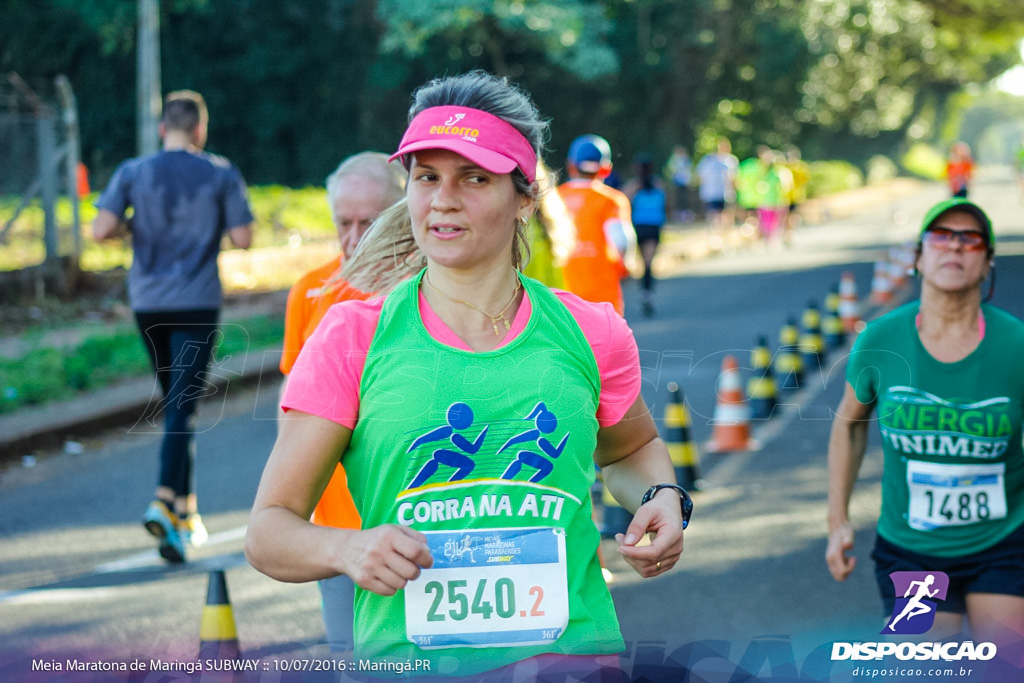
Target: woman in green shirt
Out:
[469,437]
[950,403]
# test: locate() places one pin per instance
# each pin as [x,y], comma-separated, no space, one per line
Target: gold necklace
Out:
[500,315]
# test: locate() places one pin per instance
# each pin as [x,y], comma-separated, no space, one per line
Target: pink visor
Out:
[483,138]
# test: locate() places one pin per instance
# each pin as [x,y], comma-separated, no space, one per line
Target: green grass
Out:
[283,216]
[51,374]
[925,161]
[830,177]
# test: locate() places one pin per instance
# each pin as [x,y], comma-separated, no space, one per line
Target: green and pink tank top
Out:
[491,456]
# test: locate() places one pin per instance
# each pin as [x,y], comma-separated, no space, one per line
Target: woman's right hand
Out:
[840,540]
[383,559]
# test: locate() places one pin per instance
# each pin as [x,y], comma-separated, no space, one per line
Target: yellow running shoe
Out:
[193,530]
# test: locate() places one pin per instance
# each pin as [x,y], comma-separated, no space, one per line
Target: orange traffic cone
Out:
[901,259]
[849,308]
[82,180]
[731,421]
[881,283]
[897,271]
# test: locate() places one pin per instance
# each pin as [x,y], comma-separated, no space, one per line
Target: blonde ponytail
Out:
[387,254]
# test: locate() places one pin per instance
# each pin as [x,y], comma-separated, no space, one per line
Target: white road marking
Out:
[146,558]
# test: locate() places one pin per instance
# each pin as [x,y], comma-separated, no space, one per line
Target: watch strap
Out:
[685,502]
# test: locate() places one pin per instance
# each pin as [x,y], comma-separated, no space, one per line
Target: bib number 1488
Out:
[944,495]
[964,508]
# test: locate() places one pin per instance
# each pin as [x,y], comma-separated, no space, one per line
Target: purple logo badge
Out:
[914,612]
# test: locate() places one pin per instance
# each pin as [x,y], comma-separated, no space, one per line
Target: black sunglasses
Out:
[943,238]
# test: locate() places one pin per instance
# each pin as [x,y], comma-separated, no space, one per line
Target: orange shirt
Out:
[958,173]
[298,316]
[307,305]
[594,270]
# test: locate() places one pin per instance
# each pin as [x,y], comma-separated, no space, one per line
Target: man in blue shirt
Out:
[184,201]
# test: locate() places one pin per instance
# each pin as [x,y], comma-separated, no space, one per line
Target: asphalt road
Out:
[80,580]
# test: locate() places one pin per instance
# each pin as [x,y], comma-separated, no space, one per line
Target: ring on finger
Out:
[657,566]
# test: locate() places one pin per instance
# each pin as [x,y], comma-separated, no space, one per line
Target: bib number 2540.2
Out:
[490,587]
[497,600]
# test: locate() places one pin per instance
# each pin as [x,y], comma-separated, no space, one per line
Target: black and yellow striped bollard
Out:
[789,368]
[812,344]
[762,392]
[218,638]
[615,519]
[681,447]
[832,330]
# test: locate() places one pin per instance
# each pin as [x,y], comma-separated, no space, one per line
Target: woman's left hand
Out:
[661,517]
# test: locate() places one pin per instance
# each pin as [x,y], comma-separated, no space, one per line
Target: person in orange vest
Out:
[959,169]
[358,190]
[362,186]
[604,228]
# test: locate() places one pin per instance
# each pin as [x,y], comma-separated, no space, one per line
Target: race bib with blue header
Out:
[944,495]
[490,588]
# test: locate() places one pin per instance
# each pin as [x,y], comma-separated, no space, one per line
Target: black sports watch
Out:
[685,502]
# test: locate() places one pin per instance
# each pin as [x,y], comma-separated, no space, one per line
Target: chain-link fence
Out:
[39,182]
[18,142]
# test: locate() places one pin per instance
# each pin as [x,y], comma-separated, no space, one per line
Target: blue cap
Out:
[590,153]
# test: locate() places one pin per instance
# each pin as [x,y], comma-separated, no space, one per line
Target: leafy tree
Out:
[884,69]
[294,87]
[570,32]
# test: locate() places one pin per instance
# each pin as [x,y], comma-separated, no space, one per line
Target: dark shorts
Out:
[999,569]
[648,233]
[715,204]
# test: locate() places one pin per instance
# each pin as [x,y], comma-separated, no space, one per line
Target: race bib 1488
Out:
[954,495]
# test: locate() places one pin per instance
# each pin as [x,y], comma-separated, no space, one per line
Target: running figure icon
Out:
[914,606]
[460,417]
[544,422]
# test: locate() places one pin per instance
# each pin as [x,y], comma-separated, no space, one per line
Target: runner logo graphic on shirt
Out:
[460,417]
[544,422]
[528,455]
[914,612]
[465,469]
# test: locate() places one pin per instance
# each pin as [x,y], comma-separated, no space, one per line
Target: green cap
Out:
[960,204]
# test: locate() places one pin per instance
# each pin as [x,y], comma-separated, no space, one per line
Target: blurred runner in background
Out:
[185,201]
[604,228]
[648,202]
